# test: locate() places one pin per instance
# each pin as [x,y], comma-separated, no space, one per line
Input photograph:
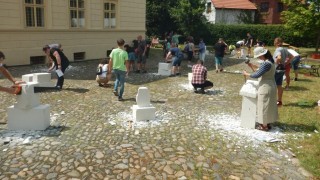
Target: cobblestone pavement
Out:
[92,135]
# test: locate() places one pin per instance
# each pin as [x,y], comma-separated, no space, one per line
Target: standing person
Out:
[141,51]
[15,89]
[266,105]
[119,65]
[249,43]
[202,50]
[240,49]
[103,78]
[295,62]
[176,55]
[281,57]
[199,78]
[60,61]
[175,38]
[190,50]
[220,47]
[131,56]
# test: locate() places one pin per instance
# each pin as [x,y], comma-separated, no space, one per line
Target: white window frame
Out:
[34,6]
[77,9]
[110,12]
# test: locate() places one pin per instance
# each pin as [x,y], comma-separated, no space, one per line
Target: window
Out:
[77,13]
[37,60]
[77,56]
[280,7]
[34,11]
[209,7]
[110,14]
[264,7]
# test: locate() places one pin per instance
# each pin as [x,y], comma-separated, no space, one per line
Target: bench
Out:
[313,69]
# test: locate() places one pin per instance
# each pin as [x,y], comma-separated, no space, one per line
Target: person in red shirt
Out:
[199,78]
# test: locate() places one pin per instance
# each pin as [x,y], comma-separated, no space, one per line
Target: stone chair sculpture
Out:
[143,110]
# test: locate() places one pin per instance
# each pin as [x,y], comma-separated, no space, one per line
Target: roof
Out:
[233,4]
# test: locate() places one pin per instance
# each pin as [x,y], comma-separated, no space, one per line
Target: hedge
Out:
[266,33]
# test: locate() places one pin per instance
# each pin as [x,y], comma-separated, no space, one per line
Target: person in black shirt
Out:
[220,47]
[249,43]
[60,61]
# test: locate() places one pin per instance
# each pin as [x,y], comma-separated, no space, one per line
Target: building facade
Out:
[269,10]
[229,11]
[86,29]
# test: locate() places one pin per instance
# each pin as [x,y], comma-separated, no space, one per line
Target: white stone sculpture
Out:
[143,110]
[164,69]
[249,104]
[27,113]
[190,80]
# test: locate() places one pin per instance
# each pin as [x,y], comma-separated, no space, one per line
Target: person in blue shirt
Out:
[176,56]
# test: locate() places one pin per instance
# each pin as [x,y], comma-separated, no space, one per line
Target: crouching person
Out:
[199,78]
[103,76]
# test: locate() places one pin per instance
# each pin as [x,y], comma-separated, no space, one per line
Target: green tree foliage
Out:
[303,17]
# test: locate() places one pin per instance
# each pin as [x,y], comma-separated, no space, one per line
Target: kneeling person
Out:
[176,55]
[199,78]
[103,77]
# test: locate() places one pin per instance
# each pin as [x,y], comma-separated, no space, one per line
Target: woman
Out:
[103,77]
[267,91]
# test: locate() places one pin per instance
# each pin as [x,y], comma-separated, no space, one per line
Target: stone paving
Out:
[92,135]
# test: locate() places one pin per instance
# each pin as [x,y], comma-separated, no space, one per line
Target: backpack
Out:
[99,70]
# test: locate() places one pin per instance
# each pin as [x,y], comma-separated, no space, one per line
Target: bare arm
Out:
[110,65]
[56,54]
[7,74]
[168,56]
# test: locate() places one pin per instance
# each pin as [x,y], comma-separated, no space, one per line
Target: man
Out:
[219,48]
[199,78]
[249,43]
[119,65]
[176,55]
[175,38]
[295,62]
[60,62]
[141,52]
[282,58]
[15,89]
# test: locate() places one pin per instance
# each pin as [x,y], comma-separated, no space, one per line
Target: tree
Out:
[303,17]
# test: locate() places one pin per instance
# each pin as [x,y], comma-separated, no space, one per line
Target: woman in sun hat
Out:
[267,109]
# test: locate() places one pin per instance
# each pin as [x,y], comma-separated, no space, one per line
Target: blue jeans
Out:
[202,55]
[120,79]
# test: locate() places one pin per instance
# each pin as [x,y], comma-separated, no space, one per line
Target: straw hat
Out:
[259,51]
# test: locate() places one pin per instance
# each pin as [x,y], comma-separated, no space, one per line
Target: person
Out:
[249,43]
[155,41]
[190,50]
[131,56]
[202,50]
[260,43]
[176,56]
[103,78]
[220,48]
[175,38]
[240,49]
[199,78]
[267,110]
[15,88]
[281,57]
[141,51]
[60,62]
[58,46]
[295,62]
[119,65]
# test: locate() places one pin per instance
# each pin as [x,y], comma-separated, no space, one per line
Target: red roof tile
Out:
[233,4]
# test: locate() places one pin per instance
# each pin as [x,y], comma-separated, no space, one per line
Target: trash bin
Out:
[249,104]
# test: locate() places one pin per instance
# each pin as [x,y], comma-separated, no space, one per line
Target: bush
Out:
[266,33]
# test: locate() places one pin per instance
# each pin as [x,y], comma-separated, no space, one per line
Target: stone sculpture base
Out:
[37,118]
[164,69]
[143,113]
[248,112]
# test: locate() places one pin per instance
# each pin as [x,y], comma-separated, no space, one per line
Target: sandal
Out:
[263,128]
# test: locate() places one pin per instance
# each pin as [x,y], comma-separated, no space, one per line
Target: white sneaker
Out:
[189,66]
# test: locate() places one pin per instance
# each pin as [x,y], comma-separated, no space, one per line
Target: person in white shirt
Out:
[295,62]
[15,88]
[240,49]
[103,78]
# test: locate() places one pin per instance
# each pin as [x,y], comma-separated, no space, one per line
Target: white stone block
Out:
[249,89]
[37,118]
[27,78]
[248,112]
[27,99]
[190,80]
[165,66]
[243,53]
[143,97]
[143,113]
[164,72]
[43,79]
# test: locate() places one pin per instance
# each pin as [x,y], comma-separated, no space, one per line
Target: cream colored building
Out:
[85,28]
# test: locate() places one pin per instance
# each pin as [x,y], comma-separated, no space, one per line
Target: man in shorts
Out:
[220,47]
[141,54]
[176,55]
[295,62]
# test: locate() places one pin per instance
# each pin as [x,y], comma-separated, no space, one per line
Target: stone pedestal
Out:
[27,113]
[249,104]
[164,69]
[190,80]
[243,53]
[143,110]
